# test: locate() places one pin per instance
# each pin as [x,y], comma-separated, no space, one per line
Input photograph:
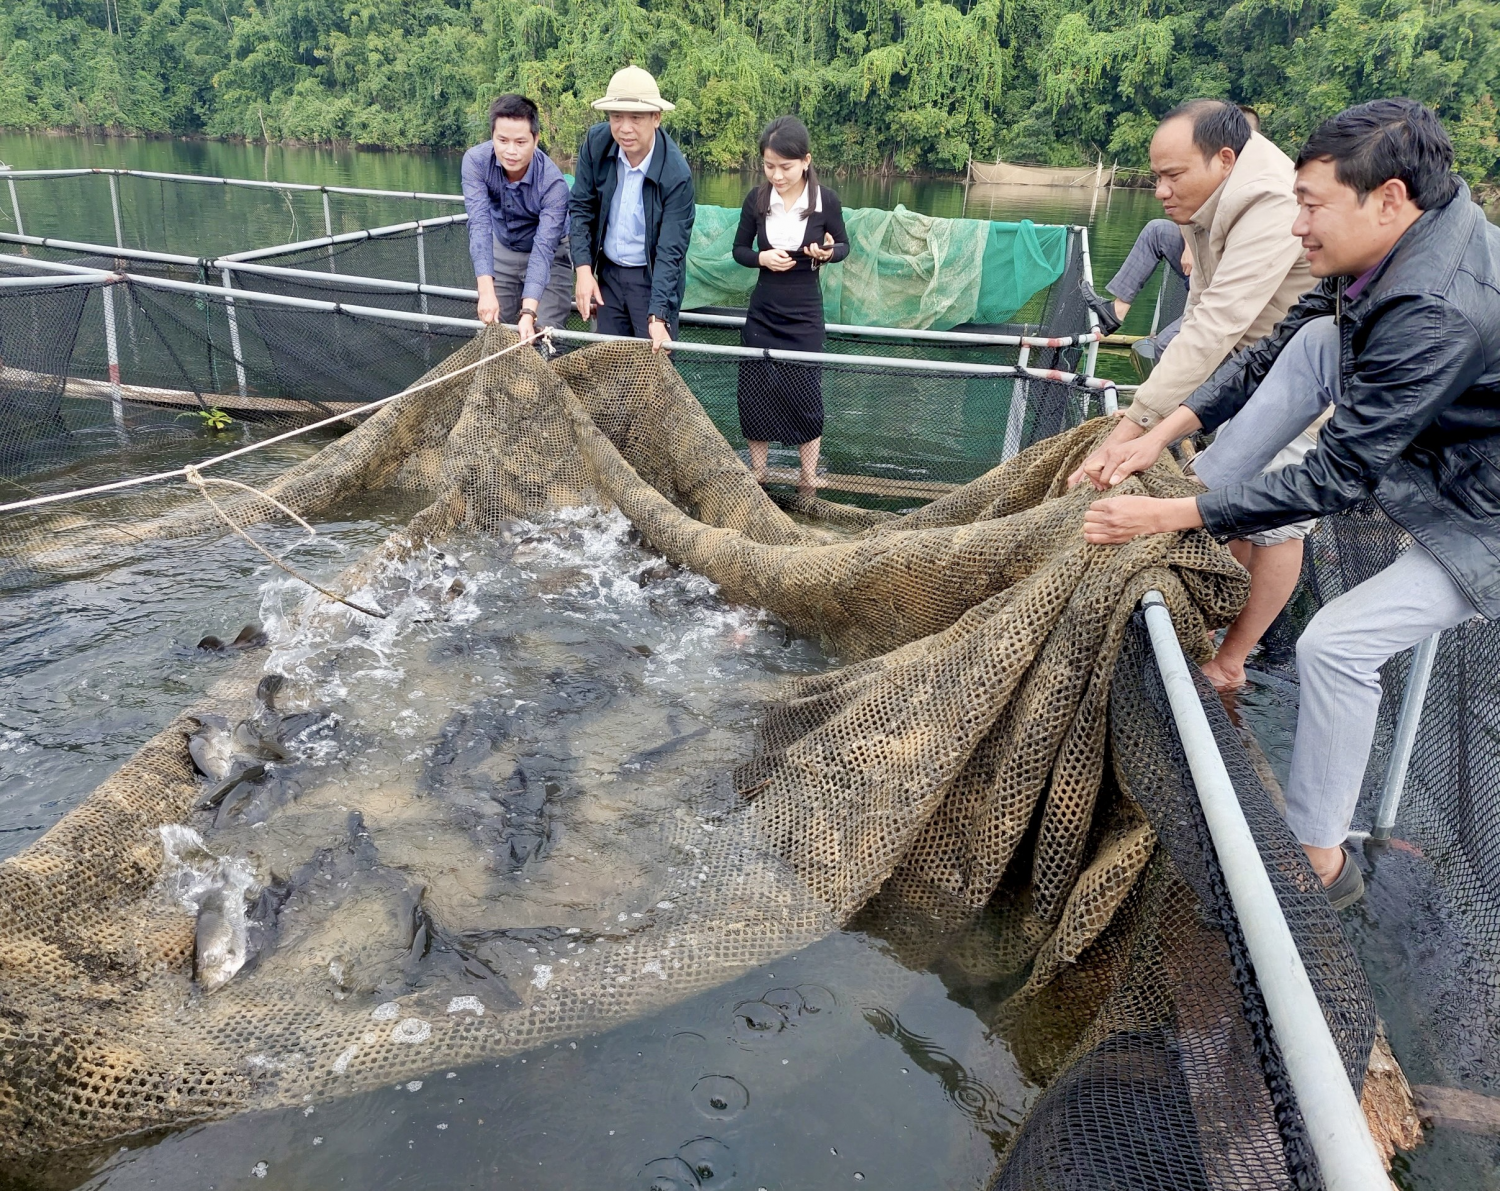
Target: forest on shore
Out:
[898,85]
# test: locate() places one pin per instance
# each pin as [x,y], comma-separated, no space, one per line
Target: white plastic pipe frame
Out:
[1091,337]
[242,261]
[1413,698]
[380,314]
[1336,1125]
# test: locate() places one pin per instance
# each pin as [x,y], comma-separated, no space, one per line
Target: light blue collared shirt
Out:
[625,237]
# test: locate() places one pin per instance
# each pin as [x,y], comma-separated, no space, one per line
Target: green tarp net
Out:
[903,269]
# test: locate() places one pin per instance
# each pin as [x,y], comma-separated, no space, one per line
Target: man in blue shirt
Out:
[518,222]
[632,215]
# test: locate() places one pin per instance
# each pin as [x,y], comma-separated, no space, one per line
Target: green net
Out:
[903,269]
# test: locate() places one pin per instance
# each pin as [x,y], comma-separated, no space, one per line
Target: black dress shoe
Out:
[1109,321]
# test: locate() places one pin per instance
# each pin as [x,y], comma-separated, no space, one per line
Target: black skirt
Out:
[781,401]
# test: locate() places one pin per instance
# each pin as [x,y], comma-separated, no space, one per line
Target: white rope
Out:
[200,483]
[181,472]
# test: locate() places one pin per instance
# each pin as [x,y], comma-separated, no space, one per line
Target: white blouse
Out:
[787,229]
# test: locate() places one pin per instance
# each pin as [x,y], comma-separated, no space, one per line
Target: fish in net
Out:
[954,767]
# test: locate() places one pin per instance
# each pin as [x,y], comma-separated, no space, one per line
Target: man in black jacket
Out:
[1403,337]
[632,215]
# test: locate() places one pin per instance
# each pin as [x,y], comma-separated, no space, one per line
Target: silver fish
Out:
[219,942]
[211,748]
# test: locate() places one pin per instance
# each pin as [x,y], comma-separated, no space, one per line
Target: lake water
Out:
[900,1087]
[164,216]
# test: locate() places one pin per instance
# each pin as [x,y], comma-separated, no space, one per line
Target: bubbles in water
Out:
[711,1162]
[784,999]
[720,1097]
[779,1009]
[411,1030]
[754,1020]
[259,1170]
[388,1011]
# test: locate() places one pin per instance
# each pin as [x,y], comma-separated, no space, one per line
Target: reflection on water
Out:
[686,1099]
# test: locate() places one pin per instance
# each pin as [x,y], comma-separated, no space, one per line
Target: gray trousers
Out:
[1273,430]
[1159,240]
[1340,653]
[510,277]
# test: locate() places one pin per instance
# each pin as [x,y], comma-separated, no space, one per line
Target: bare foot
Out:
[1226,677]
[1328,863]
[807,491]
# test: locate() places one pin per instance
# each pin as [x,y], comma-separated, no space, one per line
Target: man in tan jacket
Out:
[1230,190]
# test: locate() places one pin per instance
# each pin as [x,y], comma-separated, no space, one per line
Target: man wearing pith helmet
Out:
[631,215]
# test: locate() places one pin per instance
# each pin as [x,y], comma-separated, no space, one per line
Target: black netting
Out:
[38,330]
[440,256]
[1453,783]
[1188,1090]
[1171,300]
[891,434]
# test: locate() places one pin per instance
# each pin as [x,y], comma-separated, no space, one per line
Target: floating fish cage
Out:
[597,821]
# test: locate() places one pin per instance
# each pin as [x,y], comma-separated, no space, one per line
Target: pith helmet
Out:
[632,90]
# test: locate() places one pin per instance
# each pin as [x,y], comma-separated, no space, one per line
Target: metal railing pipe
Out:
[91,277]
[1092,361]
[378,313]
[1413,698]
[934,367]
[1336,1125]
[7,261]
[968,338]
[373,233]
[15,206]
[110,250]
[347,280]
[247,183]
[74,172]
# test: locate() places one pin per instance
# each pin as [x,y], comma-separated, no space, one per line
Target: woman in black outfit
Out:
[799,226]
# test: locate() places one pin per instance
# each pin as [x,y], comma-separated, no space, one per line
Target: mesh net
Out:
[1445,827]
[893,435]
[1035,272]
[903,269]
[955,769]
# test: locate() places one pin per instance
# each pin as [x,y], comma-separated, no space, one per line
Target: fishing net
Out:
[970,759]
[1447,842]
[903,270]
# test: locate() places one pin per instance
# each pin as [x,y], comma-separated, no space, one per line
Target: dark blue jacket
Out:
[1417,422]
[667,197]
